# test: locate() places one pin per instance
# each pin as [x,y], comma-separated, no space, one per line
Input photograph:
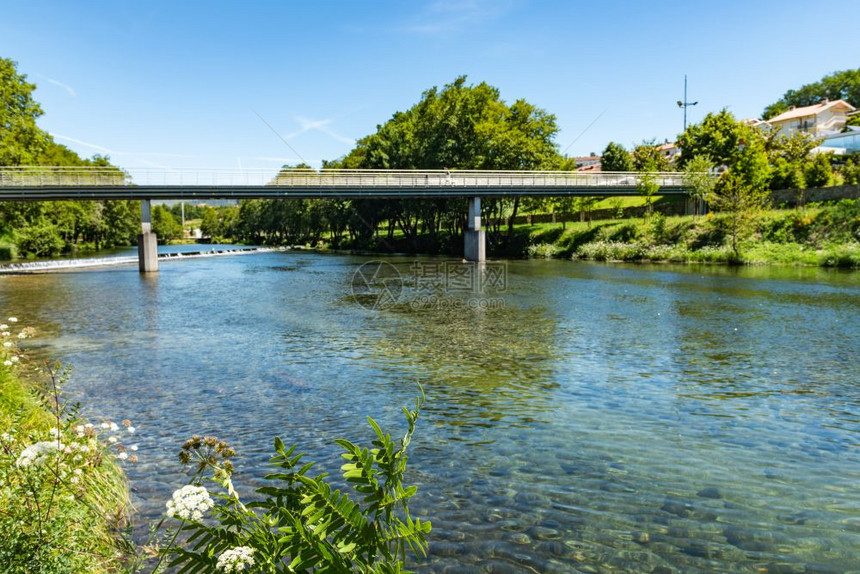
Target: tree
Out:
[164,225]
[843,85]
[819,172]
[729,143]
[615,158]
[734,196]
[21,141]
[458,127]
[699,179]
[789,157]
[647,157]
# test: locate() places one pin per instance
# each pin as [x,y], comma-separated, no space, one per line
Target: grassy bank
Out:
[64,498]
[823,235]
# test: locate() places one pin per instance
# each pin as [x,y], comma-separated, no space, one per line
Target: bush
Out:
[611,251]
[544,250]
[300,523]
[40,240]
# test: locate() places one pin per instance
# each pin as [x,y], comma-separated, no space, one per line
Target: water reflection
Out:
[626,418]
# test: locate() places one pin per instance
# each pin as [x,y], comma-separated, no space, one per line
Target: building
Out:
[819,120]
[669,151]
[841,143]
[587,163]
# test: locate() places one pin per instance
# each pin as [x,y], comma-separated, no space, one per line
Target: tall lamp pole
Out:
[685,104]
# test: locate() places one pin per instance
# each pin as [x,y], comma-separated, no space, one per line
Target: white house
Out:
[820,120]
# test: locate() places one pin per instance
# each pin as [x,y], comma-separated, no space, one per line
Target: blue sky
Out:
[185,84]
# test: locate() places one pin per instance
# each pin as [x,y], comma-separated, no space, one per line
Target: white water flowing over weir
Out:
[29,267]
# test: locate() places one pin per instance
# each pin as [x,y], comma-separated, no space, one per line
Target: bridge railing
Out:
[41,176]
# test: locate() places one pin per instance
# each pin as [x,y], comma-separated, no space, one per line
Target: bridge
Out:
[45,183]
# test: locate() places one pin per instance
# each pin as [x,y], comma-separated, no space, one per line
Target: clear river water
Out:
[579,417]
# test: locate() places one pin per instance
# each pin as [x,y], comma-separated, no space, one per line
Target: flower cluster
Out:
[236,559]
[209,451]
[189,503]
[11,353]
[39,453]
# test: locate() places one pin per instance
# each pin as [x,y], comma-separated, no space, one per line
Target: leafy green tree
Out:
[850,172]
[21,141]
[735,145]
[789,157]
[699,179]
[819,172]
[842,85]
[647,157]
[734,196]
[164,225]
[647,186]
[616,158]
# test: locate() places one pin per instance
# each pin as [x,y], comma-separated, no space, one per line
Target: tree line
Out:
[459,126]
[46,228]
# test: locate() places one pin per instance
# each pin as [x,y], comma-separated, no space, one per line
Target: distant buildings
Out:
[819,120]
[587,163]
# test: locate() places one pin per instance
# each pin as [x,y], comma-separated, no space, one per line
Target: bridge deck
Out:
[54,183]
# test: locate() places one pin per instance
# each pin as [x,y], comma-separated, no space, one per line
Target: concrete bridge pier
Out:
[475,248]
[147,243]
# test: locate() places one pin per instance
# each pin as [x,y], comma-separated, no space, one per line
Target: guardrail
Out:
[52,177]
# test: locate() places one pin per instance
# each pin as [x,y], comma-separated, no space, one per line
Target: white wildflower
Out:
[114,427]
[7,438]
[88,426]
[38,453]
[112,439]
[22,335]
[6,333]
[15,358]
[236,559]
[133,447]
[189,503]
[79,428]
[13,319]
[54,432]
[105,425]
[131,430]
[4,327]
[7,344]
[122,455]
[8,363]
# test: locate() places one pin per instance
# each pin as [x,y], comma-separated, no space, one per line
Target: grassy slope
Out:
[88,519]
[817,235]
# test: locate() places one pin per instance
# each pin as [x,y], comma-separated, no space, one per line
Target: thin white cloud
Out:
[322,126]
[96,147]
[443,17]
[113,152]
[69,89]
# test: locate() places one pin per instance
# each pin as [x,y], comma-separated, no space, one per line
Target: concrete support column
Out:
[147,243]
[475,244]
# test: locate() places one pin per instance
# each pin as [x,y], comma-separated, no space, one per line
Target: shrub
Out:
[300,523]
[544,250]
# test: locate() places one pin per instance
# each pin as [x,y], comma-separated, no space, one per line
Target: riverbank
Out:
[65,498]
[826,235]
[817,235]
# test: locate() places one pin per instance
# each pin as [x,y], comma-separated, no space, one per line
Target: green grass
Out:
[79,522]
[818,235]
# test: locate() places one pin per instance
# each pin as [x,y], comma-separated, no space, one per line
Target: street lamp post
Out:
[685,104]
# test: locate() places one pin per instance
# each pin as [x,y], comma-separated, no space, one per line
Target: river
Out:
[578,416]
